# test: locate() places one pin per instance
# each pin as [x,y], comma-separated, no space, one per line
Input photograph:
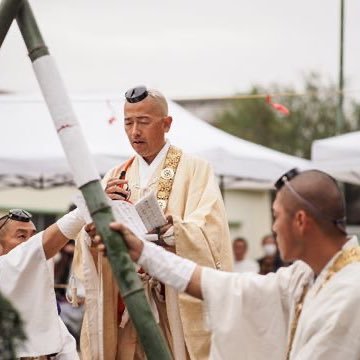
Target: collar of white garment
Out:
[352,242]
[146,171]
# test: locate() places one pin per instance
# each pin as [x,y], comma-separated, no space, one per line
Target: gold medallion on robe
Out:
[167,173]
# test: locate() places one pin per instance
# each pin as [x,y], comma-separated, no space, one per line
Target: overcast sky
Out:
[186,48]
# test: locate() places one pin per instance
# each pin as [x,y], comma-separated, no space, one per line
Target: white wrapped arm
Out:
[167,267]
[71,224]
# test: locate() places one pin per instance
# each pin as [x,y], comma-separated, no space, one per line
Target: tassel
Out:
[73,298]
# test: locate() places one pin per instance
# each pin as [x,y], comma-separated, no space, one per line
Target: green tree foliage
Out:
[11,333]
[312,116]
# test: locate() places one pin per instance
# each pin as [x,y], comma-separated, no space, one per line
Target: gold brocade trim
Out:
[167,176]
[294,323]
[346,257]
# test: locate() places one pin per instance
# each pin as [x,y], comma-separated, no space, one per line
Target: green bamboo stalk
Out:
[69,132]
[8,11]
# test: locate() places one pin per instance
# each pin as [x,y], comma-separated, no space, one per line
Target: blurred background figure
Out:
[63,261]
[271,260]
[241,264]
[72,316]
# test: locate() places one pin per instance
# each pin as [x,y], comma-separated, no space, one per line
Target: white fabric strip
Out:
[165,266]
[71,224]
[68,128]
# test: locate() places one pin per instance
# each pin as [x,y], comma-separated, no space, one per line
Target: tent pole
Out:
[87,179]
[340,107]
[222,187]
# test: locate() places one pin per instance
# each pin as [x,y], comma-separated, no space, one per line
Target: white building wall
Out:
[56,200]
[249,215]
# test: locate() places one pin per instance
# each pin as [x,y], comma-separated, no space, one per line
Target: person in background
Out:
[241,264]
[71,315]
[63,260]
[271,260]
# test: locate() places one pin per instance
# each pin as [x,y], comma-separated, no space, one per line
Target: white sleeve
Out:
[165,266]
[240,309]
[25,280]
[71,224]
[68,351]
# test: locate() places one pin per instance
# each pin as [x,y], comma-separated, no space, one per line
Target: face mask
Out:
[269,249]
[57,258]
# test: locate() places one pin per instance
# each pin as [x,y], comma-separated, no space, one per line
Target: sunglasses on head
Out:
[17,215]
[285,179]
[289,175]
[136,94]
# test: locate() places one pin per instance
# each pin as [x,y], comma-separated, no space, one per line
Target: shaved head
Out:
[160,100]
[321,199]
[146,123]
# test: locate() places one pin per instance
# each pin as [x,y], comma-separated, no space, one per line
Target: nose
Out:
[136,131]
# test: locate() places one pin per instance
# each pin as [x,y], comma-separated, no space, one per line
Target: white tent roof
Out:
[30,149]
[339,156]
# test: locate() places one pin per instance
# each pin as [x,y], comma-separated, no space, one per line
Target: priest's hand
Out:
[166,231]
[91,230]
[117,189]
[164,235]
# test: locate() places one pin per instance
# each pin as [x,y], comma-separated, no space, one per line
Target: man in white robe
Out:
[306,311]
[27,282]
[186,190]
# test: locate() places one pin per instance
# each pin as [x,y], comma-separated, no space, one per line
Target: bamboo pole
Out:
[8,11]
[87,179]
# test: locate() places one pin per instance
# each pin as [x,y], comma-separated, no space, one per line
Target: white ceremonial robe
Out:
[25,280]
[201,234]
[250,315]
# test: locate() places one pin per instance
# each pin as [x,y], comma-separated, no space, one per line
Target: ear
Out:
[301,220]
[167,123]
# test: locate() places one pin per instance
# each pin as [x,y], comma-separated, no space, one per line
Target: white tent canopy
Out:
[31,154]
[339,156]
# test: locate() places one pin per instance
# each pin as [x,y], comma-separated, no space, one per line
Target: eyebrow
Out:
[25,231]
[137,117]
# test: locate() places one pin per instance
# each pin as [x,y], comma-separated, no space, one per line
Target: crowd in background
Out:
[269,262]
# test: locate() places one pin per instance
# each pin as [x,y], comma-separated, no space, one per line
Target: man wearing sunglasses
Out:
[26,280]
[197,229]
[308,310]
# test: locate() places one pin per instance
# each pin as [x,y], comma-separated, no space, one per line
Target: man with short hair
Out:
[308,310]
[241,263]
[27,281]
[197,229]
